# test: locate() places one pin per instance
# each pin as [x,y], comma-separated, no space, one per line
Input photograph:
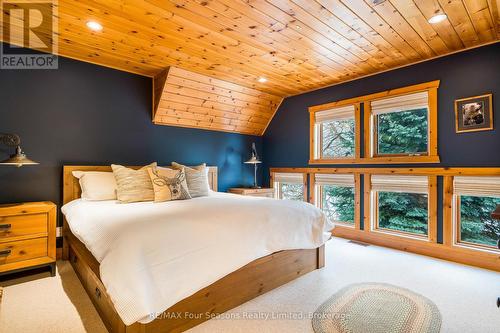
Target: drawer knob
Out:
[5,252]
[5,226]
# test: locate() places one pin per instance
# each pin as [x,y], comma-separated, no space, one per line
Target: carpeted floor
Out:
[465,296]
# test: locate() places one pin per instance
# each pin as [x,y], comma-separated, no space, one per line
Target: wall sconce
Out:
[19,158]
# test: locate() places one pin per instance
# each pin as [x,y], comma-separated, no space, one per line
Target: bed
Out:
[247,281]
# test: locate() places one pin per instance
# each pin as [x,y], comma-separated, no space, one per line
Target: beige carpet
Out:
[465,295]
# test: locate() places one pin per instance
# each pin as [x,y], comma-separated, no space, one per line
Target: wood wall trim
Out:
[186,99]
[448,210]
[424,171]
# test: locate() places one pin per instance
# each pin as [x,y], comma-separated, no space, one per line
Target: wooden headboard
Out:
[71,186]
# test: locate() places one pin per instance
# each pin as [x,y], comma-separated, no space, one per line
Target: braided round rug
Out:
[376,308]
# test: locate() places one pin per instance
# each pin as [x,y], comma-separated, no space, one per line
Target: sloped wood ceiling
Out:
[187,99]
[297,45]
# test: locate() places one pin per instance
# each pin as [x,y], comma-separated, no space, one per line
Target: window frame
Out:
[364,136]
[371,125]
[277,188]
[316,135]
[372,207]
[316,199]
[455,221]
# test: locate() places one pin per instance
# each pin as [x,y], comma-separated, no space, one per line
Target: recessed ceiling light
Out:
[440,17]
[93,25]
[262,79]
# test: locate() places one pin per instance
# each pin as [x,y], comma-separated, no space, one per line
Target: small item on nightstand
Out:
[253,192]
[27,236]
[254,160]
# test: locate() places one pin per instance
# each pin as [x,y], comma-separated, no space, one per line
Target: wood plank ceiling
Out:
[297,45]
[187,99]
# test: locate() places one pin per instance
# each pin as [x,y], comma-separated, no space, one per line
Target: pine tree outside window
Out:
[335,194]
[475,198]
[400,125]
[400,205]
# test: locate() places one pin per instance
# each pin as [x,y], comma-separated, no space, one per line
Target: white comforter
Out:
[153,255]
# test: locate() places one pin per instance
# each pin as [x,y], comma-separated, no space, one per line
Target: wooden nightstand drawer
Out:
[27,236]
[23,250]
[23,225]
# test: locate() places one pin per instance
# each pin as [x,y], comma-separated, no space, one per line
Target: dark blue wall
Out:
[87,114]
[466,74]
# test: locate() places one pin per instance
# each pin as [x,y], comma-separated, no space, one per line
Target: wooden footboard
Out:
[250,281]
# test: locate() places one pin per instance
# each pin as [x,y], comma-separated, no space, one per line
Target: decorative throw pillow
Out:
[133,185]
[96,185]
[169,184]
[196,178]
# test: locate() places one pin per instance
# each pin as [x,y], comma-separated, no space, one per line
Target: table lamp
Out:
[254,160]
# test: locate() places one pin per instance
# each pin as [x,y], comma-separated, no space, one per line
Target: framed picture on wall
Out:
[474,114]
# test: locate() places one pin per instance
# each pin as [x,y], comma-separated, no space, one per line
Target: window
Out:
[400,205]
[400,125]
[475,199]
[334,133]
[289,186]
[335,195]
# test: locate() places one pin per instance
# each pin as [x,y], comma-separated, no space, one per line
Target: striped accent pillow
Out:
[133,185]
[196,178]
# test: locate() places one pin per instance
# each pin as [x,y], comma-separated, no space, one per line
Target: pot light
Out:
[94,26]
[262,79]
[440,17]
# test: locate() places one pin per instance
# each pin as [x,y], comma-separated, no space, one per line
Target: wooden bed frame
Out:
[250,281]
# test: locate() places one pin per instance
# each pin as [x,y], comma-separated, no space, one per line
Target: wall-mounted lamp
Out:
[254,160]
[19,158]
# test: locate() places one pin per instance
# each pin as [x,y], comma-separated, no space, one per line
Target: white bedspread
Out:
[153,255]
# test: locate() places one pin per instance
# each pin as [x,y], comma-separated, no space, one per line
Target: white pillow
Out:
[96,185]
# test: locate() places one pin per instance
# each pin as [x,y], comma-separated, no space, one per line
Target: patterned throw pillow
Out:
[133,185]
[197,179]
[169,184]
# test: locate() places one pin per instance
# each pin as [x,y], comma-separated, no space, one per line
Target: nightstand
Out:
[253,192]
[27,236]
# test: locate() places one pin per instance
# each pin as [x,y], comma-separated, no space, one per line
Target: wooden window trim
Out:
[317,196]
[371,213]
[316,200]
[277,190]
[451,217]
[370,128]
[457,234]
[315,143]
[445,251]
[431,156]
